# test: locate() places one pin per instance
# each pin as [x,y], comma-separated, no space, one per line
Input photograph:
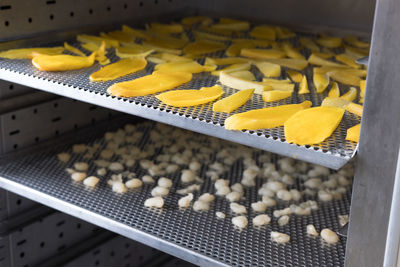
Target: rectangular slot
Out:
[51,2]
[21,242]
[60,223]
[5,7]
[56,119]
[15,132]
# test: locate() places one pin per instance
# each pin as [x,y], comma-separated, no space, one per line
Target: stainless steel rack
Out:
[200,238]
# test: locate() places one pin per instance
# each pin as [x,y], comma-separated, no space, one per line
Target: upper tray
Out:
[332,153]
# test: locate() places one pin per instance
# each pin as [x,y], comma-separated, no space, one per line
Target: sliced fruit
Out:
[275,95]
[74,50]
[161,48]
[243,74]
[292,63]
[190,21]
[118,69]
[308,43]
[167,28]
[171,57]
[28,53]
[284,33]
[356,52]
[262,53]
[226,60]
[303,87]
[291,52]
[321,82]
[294,75]
[92,47]
[354,41]
[279,85]
[232,68]
[362,88]
[316,60]
[150,84]
[233,26]
[211,30]
[101,56]
[233,102]
[135,33]
[348,60]
[120,36]
[202,47]
[344,77]
[186,98]
[180,66]
[241,84]
[330,41]
[312,126]
[324,55]
[353,133]
[264,118]
[264,32]
[335,102]
[235,48]
[269,69]
[62,62]
[166,41]
[85,38]
[356,72]
[209,36]
[334,92]
[355,108]
[350,95]
[133,51]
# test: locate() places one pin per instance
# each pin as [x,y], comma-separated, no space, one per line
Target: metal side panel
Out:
[200,238]
[379,143]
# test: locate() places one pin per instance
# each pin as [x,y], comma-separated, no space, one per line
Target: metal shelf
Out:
[332,153]
[199,238]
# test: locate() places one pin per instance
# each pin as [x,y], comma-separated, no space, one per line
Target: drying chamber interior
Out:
[145,147]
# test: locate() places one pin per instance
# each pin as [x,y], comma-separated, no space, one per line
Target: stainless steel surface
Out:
[379,144]
[200,238]
[333,153]
[363,61]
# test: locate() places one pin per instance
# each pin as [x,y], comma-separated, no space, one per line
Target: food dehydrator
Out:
[69,109]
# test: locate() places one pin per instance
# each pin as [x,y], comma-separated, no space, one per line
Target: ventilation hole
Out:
[127,245]
[26,265]
[51,2]
[71,14]
[112,254]
[41,244]
[125,6]
[51,17]
[141,257]
[57,132]
[30,20]
[13,117]
[127,265]
[55,105]
[61,248]
[90,11]
[140,3]
[11,87]
[96,252]
[6,23]
[61,235]
[22,254]
[21,242]
[92,107]
[78,225]
[56,119]
[5,7]
[96,263]
[93,121]
[127,256]
[155,2]
[108,8]
[34,111]
[60,223]
[15,146]
[75,126]
[36,139]
[14,132]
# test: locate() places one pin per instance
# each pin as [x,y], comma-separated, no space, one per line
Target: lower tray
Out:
[200,238]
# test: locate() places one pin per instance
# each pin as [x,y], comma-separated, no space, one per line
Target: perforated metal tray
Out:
[332,153]
[200,238]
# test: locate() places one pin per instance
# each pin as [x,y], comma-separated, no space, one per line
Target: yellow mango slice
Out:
[263,32]
[262,53]
[321,82]
[316,60]
[230,21]
[209,36]
[275,95]
[270,80]
[167,57]
[166,41]
[85,38]
[241,84]
[356,72]
[344,77]
[356,52]
[334,92]
[233,26]
[101,54]
[279,85]
[291,52]
[186,98]
[211,30]
[303,87]
[264,118]
[226,60]
[292,63]
[335,102]
[243,74]
[234,49]
[353,133]
[161,48]
[312,126]
[118,69]
[330,42]
[120,36]
[348,60]
[28,53]
[150,84]
[233,102]
[350,95]
[62,62]
[323,55]
[294,75]
[166,28]
[308,43]
[362,87]
[232,68]
[203,47]
[92,47]
[269,69]
[284,33]
[180,66]
[354,41]
[135,33]
[355,108]
[190,21]
[156,60]
[74,50]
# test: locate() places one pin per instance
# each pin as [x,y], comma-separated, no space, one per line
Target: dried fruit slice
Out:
[181,66]
[62,62]
[354,41]
[316,60]
[28,53]
[120,36]
[167,57]
[226,60]
[118,69]
[263,32]
[292,63]
[303,87]
[294,75]
[241,84]
[202,47]
[321,81]
[362,88]
[356,72]
[275,95]
[244,74]
[135,33]
[334,92]
[262,53]
[312,126]
[330,41]
[166,28]
[308,43]
[133,50]
[284,33]
[348,60]
[350,95]
[344,77]
[185,98]
[356,52]
[269,69]
[291,52]
[209,36]
[264,118]
[234,49]
[190,21]
[150,84]
[335,102]
[233,102]
[232,68]
[85,38]
[280,85]
[233,26]
[355,108]
[74,50]
[353,133]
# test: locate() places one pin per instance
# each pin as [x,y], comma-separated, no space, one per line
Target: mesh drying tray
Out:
[200,238]
[332,153]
